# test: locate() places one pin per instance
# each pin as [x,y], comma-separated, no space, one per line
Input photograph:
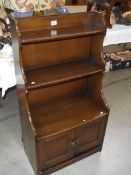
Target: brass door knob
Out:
[73,143]
[77,141]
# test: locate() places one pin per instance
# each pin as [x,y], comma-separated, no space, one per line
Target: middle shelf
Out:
[55,74]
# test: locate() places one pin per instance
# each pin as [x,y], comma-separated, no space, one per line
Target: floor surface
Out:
[115,158]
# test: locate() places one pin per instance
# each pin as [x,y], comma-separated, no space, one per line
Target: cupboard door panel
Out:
[57,149]
[88,136]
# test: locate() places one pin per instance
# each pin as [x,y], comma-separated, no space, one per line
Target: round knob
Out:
[73,143]
[77,141]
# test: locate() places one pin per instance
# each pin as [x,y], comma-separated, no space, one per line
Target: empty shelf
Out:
[60,33]
[55,74]
[66,113]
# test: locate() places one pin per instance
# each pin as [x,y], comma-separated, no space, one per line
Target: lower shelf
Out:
[64,114]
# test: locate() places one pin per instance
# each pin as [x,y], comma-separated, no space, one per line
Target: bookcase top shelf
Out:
[59,33]
[55,27]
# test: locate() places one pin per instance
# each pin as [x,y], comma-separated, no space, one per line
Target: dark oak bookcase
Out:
[59,69]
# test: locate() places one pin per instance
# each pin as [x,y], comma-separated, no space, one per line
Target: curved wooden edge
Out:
[94,85]
[28,114]
[103,100]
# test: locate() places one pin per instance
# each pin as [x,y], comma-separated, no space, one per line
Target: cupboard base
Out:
[75,159]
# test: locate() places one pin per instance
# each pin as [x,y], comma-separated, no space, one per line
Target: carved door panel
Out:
[62,147]
[56,149]
[88,136]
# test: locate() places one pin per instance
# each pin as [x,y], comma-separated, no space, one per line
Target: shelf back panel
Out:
[46,95]
[48,53]
[45,22]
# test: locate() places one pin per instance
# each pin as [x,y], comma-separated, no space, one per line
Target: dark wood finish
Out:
[88,136]
[49,120]
[48,35]
[76,70]
[57,149]
[70,161]
[62,108]
[51,93]
[45,51]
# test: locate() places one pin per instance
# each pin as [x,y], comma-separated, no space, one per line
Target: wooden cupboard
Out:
[59,69]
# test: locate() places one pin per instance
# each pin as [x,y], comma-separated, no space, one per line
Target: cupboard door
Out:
[56,149]
[88,136]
